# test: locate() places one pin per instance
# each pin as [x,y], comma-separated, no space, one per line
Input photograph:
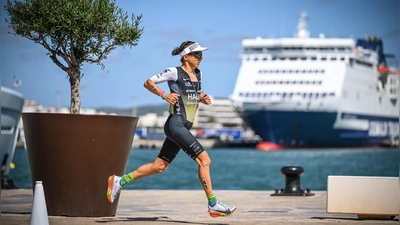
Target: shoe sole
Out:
[110,187]
[220,214]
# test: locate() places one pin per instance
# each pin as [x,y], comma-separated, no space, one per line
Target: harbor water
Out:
[248,169]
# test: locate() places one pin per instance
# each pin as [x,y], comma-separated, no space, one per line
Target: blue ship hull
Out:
[310,129]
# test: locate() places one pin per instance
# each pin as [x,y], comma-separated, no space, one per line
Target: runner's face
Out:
[194,58]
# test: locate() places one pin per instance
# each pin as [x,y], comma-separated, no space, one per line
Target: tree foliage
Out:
[74,32]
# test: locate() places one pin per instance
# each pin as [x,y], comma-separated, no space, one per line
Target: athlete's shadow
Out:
[163,219]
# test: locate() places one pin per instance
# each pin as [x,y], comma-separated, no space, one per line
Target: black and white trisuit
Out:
[182,114]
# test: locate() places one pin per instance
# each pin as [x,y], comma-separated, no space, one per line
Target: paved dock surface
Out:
[168,207]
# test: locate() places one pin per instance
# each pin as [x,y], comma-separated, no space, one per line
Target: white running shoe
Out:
[220,209]
[114,188]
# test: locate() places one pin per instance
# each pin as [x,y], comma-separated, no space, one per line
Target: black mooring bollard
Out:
[292,182]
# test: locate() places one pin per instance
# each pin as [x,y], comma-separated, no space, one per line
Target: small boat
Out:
[12,103]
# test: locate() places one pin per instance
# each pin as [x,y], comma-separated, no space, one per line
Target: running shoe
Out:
[220,209]
[114,188]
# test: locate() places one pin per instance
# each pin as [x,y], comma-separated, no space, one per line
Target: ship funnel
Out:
[302,31]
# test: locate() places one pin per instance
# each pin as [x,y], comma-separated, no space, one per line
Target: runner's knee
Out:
[158,168]
[204,161]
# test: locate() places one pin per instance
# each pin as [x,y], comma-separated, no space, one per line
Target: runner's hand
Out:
[205,99]
[172,98]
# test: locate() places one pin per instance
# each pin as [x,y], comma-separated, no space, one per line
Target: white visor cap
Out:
[195,47]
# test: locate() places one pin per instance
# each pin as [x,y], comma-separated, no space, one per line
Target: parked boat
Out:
[11,109]
[317,92]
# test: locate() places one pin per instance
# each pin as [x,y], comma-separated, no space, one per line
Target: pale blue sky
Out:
[219,25]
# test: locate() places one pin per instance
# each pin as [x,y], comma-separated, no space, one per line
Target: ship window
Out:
[323,59]
[342,59]
[293,58]
[265,59]
[256,59]
[272,49]
[273,58]
[333,58]
[313,58]
[303,58]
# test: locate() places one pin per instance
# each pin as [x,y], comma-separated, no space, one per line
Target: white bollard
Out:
[39,211]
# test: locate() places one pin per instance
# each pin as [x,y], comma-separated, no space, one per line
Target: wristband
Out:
[164,96]
[162,93]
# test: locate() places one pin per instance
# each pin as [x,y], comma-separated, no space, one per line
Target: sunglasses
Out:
[197,54]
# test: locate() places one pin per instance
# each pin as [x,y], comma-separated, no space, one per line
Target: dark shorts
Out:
[176,129]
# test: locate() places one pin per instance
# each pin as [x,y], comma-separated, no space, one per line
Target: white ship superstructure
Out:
[321,91]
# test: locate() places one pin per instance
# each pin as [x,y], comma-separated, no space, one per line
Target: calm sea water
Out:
[249,169]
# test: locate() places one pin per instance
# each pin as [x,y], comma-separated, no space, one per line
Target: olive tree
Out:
[74,32]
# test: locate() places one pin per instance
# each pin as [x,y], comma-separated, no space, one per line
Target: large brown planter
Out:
[74,155]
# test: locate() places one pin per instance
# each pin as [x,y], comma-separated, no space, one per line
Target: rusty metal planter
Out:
[73,154]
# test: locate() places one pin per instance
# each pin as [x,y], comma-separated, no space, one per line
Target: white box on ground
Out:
[363,196]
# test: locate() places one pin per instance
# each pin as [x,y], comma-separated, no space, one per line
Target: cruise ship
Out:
[317,92]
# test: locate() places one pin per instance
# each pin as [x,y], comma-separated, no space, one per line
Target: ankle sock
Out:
[126,179]
[212,200]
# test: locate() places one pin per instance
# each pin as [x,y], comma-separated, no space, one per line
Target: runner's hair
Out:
[178,50]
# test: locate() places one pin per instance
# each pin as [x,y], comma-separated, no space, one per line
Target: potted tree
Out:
[73,154]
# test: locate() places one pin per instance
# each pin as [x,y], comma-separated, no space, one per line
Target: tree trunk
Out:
[74,82]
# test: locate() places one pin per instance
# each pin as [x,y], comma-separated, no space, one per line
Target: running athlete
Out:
[185,95]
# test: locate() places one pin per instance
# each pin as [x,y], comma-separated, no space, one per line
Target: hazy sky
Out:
[218,24]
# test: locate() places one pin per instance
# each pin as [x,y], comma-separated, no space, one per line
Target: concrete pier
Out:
[167,207]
